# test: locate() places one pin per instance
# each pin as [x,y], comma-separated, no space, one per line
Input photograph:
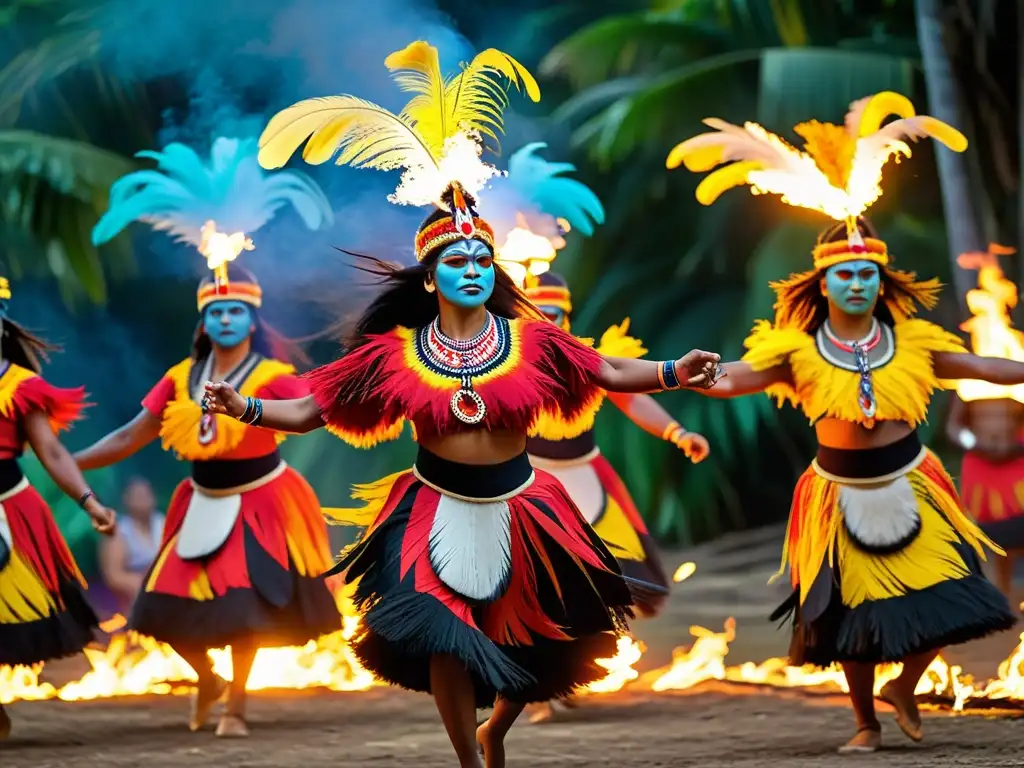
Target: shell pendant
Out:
[467,405]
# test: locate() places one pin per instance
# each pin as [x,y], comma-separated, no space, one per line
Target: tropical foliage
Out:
[621,87]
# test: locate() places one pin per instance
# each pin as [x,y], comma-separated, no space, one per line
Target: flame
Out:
[524,254]
[991,332]
[620,667]
[802,183]
[705,660]
[132,666]
[684,571]
[220,249]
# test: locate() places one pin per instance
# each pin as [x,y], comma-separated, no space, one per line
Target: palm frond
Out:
[183,193]
[52,190]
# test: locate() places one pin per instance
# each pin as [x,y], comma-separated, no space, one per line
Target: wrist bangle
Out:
[84,498]
[673,432]
[253,413]
[667,375]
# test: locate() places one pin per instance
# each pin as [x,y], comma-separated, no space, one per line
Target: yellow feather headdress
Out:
[436,139]
[838,174]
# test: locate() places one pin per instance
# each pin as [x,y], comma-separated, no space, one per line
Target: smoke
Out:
[242,60]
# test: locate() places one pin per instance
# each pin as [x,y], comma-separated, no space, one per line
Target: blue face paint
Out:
[228,323]
[464,274]
[853,286]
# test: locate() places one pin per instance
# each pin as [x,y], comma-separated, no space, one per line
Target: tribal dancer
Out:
[477,577]
[549,205]
[245,545]
[987,421]
[555,204]
[43,610]
[884,561]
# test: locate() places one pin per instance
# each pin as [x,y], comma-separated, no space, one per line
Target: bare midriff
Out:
[838,433]
[479,447]
[997,426]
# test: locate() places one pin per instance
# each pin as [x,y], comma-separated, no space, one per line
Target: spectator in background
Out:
[126,557]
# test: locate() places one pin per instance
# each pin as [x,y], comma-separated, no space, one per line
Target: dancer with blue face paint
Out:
[244,546]
[477,577]
[884,560]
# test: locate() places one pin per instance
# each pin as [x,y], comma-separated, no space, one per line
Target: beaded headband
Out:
[550,296]
[236,290]
[853,249]
[445,231]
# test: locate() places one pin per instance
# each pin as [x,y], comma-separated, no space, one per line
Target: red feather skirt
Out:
[264,582]
[513,582]
[993,492]
[43,611]
[606,503]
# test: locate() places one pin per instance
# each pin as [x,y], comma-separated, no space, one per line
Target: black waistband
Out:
[10,474]
[573,448]
[217,474]
[865,463]
[474,481]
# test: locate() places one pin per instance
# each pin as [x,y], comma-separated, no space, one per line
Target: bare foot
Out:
[542,713]
[203,699]
[570,702]
[493,749]
[908,717]
[5,724]
[865,741]
[232,727]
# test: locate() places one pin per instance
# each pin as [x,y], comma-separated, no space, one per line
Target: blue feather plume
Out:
[539,182]
[183,193]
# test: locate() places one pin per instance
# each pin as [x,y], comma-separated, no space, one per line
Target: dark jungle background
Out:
[85,85]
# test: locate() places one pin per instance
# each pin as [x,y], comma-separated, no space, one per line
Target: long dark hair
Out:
[404,301]
[800,303]
[22,347]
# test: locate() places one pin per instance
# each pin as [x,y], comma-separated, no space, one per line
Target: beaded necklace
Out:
[463,359]
[860,349]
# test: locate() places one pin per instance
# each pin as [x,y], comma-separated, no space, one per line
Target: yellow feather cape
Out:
[903,387]
[179,424]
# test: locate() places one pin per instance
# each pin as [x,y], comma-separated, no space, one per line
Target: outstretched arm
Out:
[644,411]
[958,428]
[694,370]
[741,379]
[294,416]
[62,468]
[121,443]
[964,365]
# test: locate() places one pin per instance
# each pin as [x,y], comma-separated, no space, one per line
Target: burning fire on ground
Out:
[132,667]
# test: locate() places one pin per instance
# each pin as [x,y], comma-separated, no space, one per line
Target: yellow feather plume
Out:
[840,172]
[435,137]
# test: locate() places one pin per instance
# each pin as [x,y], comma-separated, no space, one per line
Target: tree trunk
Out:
[959,205]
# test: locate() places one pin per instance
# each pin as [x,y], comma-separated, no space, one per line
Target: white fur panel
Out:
[583,486]
[208,522]
[880,516]
[471,546]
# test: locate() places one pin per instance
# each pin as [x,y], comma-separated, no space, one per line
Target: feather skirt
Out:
[264,582]
[886,572]
[43,611]
[519,587]
[596,488]
[992,492]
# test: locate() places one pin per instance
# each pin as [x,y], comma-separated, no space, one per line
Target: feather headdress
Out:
[200,202]
[838,174]
[436,139]
[548,205]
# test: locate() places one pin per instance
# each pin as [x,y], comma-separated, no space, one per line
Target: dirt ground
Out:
[751,729]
